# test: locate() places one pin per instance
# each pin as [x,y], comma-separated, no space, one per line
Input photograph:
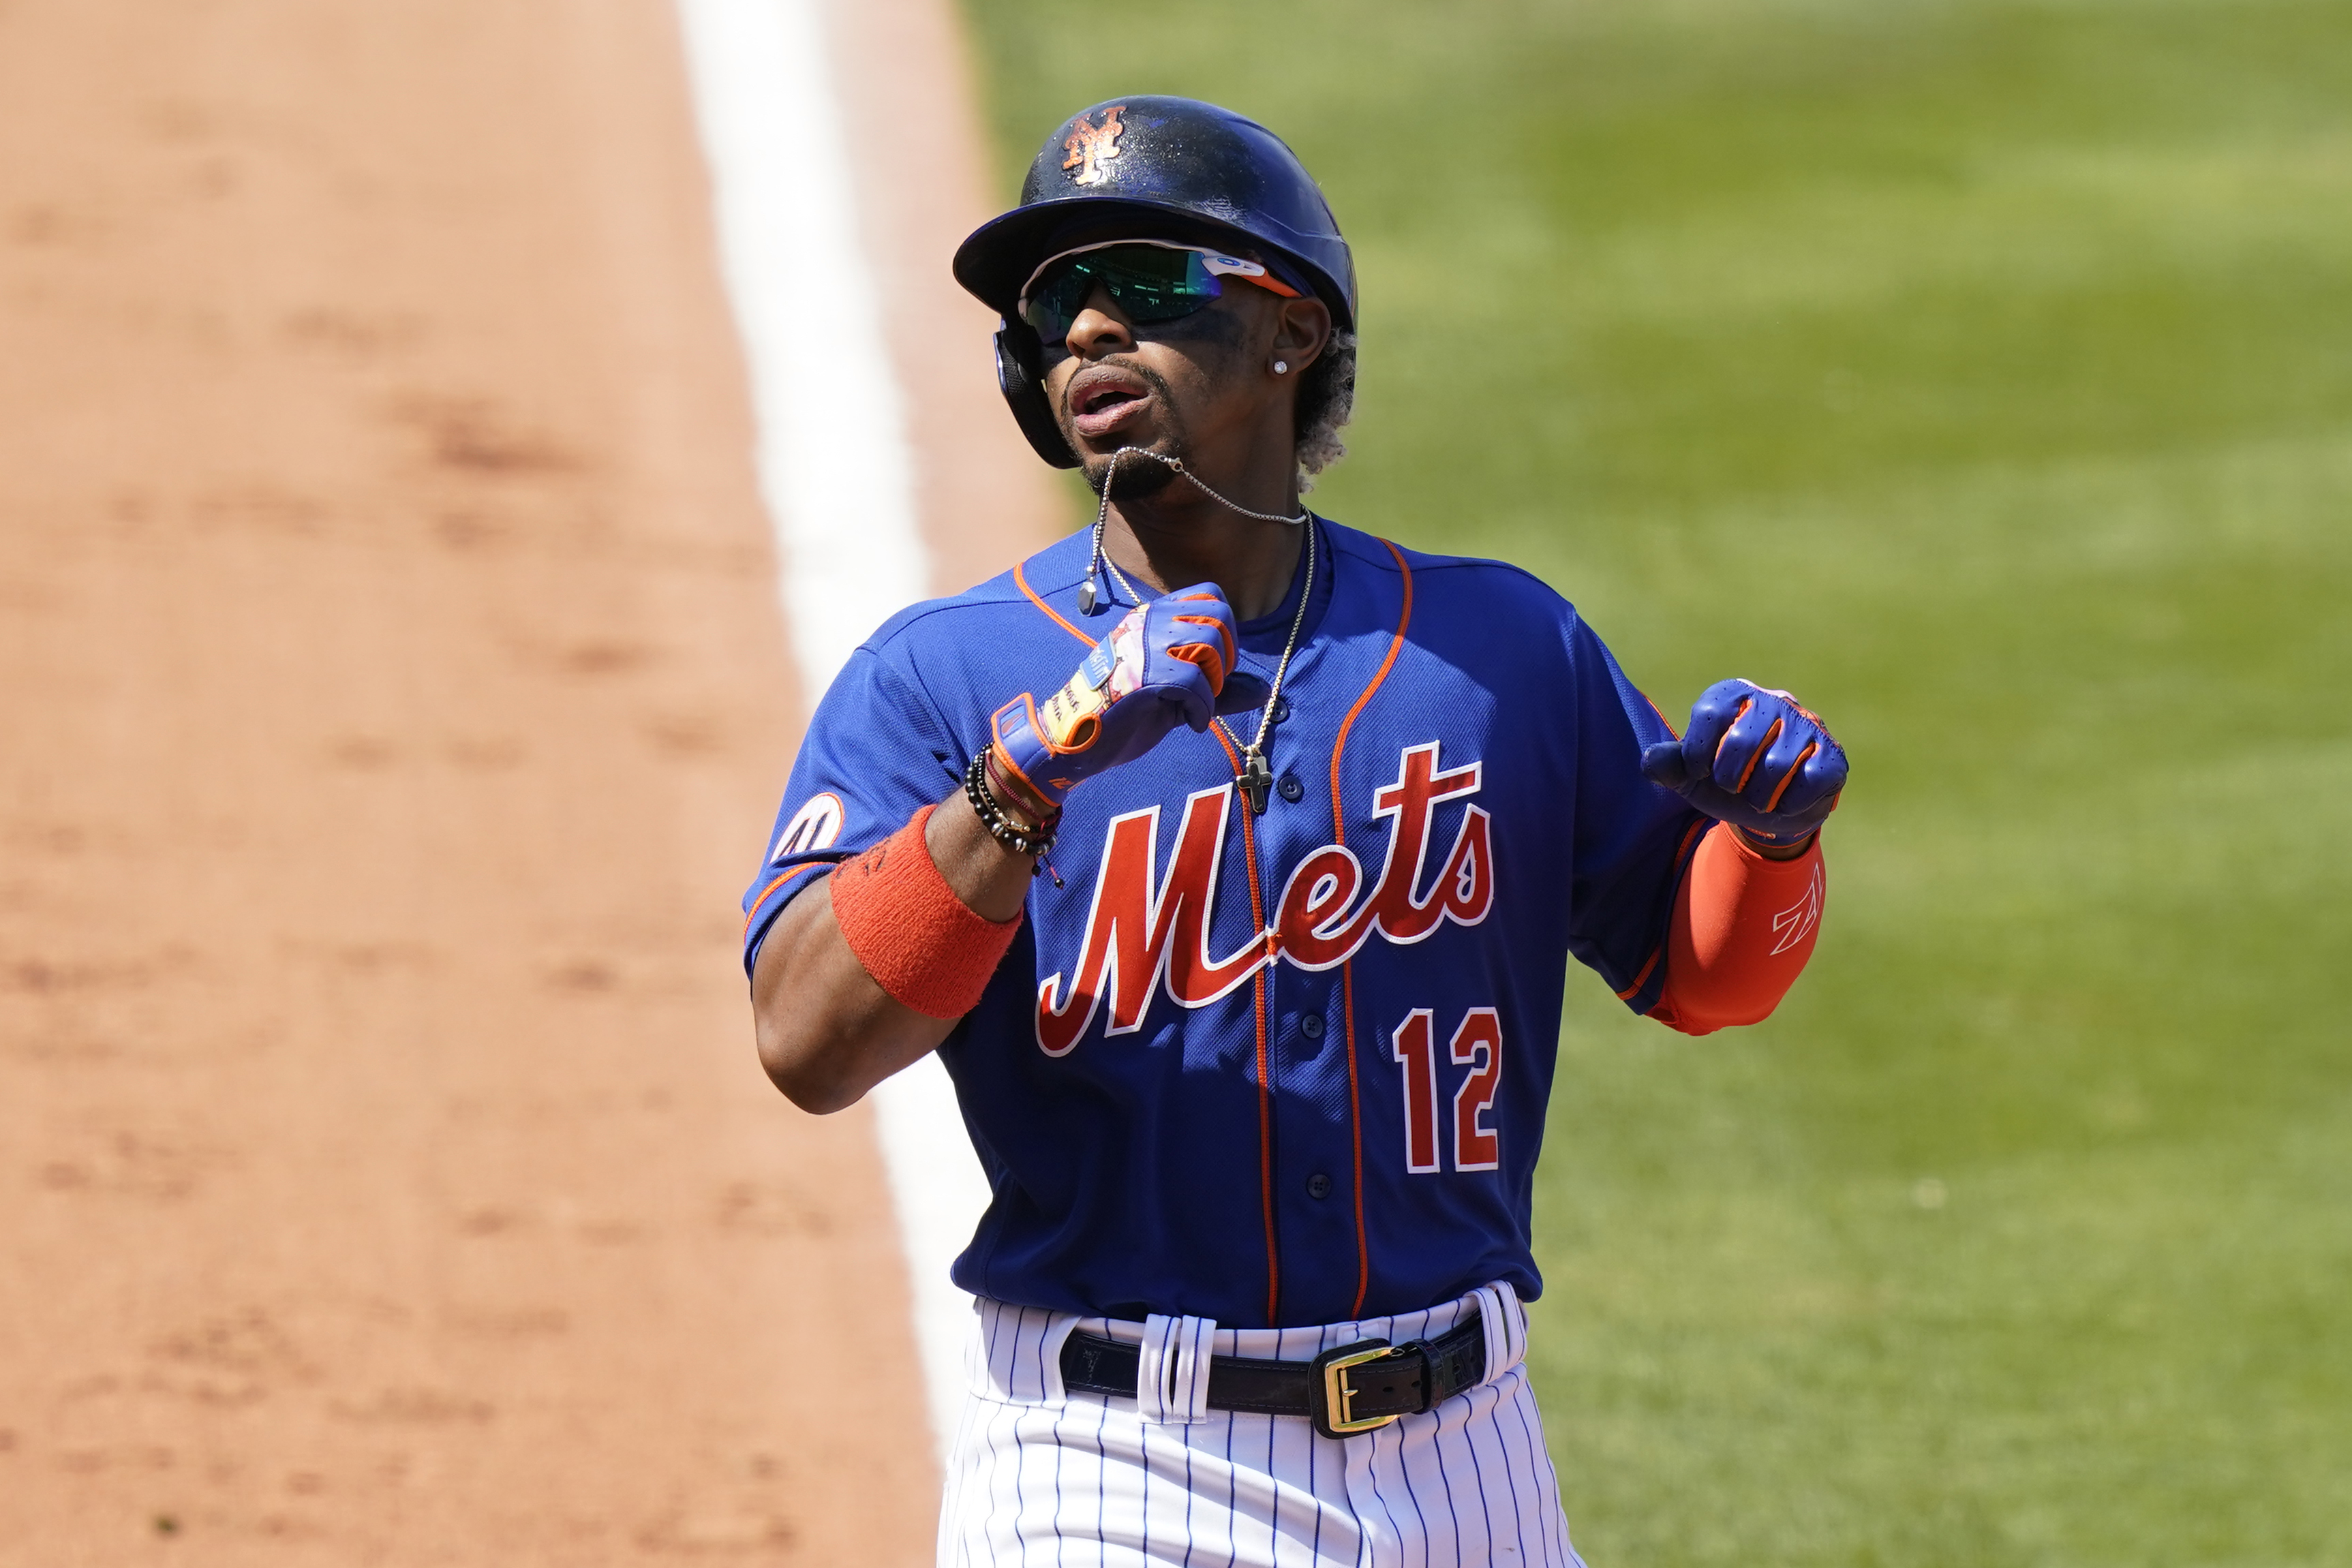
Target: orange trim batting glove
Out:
[1755,759]
[1167,662]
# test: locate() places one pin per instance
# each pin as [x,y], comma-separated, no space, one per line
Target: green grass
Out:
[1982,372]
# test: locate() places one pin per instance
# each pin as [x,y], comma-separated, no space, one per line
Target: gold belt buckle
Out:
[1337,1416]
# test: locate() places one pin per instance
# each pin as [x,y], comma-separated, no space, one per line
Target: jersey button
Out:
[1281,710]
[1319,1187]
[1311,1026]
[1291,788]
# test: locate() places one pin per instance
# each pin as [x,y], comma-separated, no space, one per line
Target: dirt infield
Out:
[394,695]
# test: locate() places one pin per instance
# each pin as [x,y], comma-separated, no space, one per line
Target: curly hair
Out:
[1326,399]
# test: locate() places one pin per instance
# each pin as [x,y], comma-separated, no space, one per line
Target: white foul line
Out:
[837,476]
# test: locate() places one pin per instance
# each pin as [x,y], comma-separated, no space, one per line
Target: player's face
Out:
[1201,387]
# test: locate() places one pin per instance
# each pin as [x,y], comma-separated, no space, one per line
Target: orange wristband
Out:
[920,942]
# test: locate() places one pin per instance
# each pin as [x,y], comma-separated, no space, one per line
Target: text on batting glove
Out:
[1754,757]
[1166,663]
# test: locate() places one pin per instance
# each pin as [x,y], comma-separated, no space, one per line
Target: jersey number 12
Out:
[1477,1044]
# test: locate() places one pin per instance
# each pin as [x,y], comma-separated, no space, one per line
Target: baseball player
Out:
[1231,859]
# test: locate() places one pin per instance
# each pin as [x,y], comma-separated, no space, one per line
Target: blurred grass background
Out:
[1983,372]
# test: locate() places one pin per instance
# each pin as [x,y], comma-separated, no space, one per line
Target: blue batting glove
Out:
[1755,758]
[1168,661]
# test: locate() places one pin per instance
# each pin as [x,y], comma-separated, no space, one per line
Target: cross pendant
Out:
[1255,780]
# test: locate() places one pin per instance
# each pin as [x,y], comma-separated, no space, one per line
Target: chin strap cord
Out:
[1092,600]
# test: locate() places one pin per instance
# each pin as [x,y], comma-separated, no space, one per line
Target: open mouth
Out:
[1104,397]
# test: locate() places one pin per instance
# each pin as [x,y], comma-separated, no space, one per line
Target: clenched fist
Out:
[1167,662]
[1755,759]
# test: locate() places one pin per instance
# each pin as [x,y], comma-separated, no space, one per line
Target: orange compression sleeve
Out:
[1743,927]
[907,927]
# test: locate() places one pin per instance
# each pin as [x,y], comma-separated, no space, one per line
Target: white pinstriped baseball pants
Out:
[1040,1476]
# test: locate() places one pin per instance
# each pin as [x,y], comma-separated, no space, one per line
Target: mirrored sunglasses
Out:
[1149,281]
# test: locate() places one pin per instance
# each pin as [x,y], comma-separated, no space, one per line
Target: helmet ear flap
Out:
[1020,376]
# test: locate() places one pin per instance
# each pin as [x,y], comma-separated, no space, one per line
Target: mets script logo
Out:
[1145,930]
[1090,146]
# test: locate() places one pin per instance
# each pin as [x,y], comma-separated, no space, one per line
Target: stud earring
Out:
[1280,367]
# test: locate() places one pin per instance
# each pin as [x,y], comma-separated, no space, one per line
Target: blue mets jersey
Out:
[1288,1067]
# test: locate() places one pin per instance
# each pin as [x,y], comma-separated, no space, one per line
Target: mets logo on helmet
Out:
[1090,146]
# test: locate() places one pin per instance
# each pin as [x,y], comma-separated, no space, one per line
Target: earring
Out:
[1279,367]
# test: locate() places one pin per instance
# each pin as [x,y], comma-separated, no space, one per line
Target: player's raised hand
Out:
[1169,662]
[1752,757]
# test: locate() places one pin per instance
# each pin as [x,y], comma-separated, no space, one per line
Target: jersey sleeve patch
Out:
[875,753]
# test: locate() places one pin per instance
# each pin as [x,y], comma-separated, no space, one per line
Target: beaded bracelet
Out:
[1018,837]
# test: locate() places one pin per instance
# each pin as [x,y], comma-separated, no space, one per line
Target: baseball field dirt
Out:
[395,699]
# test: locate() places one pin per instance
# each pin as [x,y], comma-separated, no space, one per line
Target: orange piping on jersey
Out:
[1640,980]
[1264,1079]
[1021,582]
[1682,850]
[1671,730]
[1339,744]
[1264,1083]
[1347,970]
[1355,1132]
[754,910]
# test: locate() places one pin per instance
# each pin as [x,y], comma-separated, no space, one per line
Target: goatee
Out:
[1132,476]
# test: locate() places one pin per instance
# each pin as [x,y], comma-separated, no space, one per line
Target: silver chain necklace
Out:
[1256,776]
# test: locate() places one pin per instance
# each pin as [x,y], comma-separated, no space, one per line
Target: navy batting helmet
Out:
[1148,168]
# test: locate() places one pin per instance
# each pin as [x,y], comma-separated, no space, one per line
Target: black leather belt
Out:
[1351,1389]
